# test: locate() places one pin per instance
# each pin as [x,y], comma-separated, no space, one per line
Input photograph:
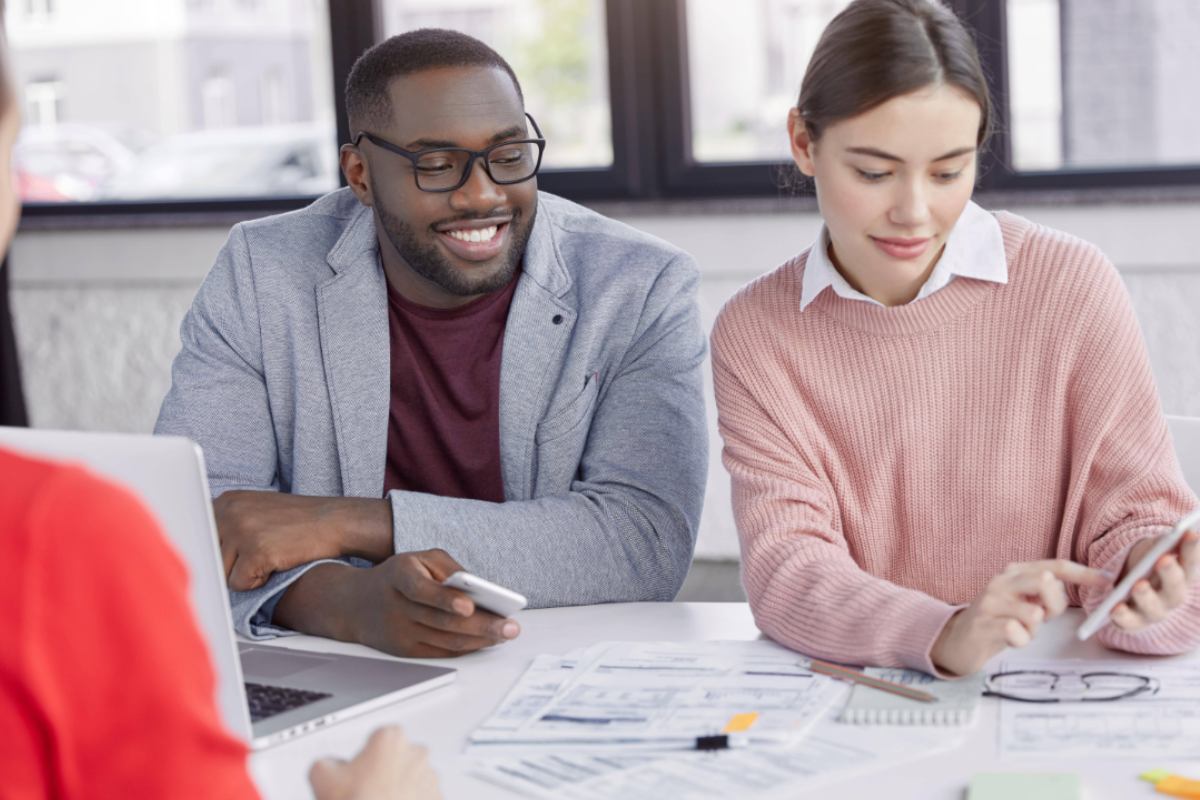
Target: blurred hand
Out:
[1153,598]
[266,532]
[399,607]
[388,768]
[1009,612]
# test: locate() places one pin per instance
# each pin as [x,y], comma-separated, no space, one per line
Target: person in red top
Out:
[103,694]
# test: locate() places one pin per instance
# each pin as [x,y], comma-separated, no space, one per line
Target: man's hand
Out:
[388,768]
[1009,612]
[1153,598]
[399,607]
[266,532]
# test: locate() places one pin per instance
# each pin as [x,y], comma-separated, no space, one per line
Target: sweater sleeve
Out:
[1126,484]
[113,662]
[804,586]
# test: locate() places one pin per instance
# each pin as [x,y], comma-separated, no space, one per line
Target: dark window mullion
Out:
[681,175]
[629,47]
[987,21]
[352,29]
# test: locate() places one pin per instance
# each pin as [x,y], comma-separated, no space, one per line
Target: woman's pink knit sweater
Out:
[887,462]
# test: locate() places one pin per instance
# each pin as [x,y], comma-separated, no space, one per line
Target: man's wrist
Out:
[366,527]
[321,602]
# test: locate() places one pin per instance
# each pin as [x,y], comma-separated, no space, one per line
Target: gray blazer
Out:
[284,380]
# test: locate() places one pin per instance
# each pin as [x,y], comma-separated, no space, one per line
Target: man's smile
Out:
[475,239]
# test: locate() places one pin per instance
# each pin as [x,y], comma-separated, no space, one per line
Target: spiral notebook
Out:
[957,701]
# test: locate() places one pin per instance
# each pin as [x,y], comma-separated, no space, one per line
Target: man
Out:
[519,376]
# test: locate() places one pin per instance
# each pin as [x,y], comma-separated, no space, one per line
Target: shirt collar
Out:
[974,249]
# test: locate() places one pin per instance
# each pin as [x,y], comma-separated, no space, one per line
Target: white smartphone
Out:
[496,599]
[1099,617]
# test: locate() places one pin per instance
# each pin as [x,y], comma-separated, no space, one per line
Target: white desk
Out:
[441,719]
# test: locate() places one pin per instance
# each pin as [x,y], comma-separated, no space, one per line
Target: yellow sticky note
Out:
[741,722]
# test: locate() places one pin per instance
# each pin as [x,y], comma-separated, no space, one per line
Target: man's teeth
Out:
[476,235]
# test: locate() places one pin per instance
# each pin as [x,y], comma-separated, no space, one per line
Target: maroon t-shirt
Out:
[444,427]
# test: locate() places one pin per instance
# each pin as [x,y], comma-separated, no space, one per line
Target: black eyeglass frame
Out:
[1148,685]
[472,155]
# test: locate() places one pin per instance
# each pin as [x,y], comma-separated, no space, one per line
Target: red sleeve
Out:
[108,678]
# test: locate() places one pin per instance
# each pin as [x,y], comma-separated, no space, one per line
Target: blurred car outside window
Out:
[173,99]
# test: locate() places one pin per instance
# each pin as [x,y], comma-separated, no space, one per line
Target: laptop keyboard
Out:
[267,701]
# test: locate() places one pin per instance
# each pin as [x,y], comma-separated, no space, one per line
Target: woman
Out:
[941,423]
[106,690]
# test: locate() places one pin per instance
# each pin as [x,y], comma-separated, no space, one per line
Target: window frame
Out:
[988,19]
[651,129]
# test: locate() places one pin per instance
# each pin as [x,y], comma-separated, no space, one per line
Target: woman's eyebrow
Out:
[871,151]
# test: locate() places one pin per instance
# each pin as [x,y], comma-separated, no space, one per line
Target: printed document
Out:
[1162,724]
[831,753]
[637,694]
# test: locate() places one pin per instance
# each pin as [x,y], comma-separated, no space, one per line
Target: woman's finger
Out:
[1147,603]
[1043,586]
[1189,555]
[1015,634]
[1126,618]
[1172,582]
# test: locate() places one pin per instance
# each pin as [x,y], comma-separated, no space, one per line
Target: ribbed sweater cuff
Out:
[1178,633]
[912,641]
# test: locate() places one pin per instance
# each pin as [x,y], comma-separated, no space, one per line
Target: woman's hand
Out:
[388,768]
[1009,612]
[1154,597]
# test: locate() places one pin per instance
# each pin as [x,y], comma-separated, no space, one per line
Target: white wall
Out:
[98,312]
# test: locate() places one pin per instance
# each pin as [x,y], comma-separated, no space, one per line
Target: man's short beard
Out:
[429,262]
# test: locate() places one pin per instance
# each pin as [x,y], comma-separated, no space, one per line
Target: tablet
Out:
[1099,617]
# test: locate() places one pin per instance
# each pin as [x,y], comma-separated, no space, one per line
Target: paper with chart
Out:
[1162,725]
[636,694]
[830,753]
[533,692]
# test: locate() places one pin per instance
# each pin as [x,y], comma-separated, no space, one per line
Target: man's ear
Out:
[802,143]
[358,174]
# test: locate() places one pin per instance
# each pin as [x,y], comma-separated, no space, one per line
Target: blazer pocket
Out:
[577,412]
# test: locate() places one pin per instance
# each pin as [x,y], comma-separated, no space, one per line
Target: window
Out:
[218,104]
[224,104]
[1100,84]
[557,48]
[44,101]
[275,109]
[173,99]
[39,10]
[740,105]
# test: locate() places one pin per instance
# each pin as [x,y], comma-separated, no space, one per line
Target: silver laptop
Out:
[266,694]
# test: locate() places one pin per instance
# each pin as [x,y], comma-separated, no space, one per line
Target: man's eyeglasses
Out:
[1036,686]
[445,169]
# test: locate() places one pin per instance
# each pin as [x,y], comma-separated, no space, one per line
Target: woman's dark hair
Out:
[879,49]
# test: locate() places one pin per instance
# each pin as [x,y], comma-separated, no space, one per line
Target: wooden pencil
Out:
[834,671]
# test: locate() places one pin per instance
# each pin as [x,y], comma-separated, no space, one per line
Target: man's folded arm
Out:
[625,527]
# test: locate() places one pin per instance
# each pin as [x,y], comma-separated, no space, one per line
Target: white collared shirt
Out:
[974,249]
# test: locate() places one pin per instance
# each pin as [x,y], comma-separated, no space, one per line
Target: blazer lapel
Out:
[534,345]
[352,317]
